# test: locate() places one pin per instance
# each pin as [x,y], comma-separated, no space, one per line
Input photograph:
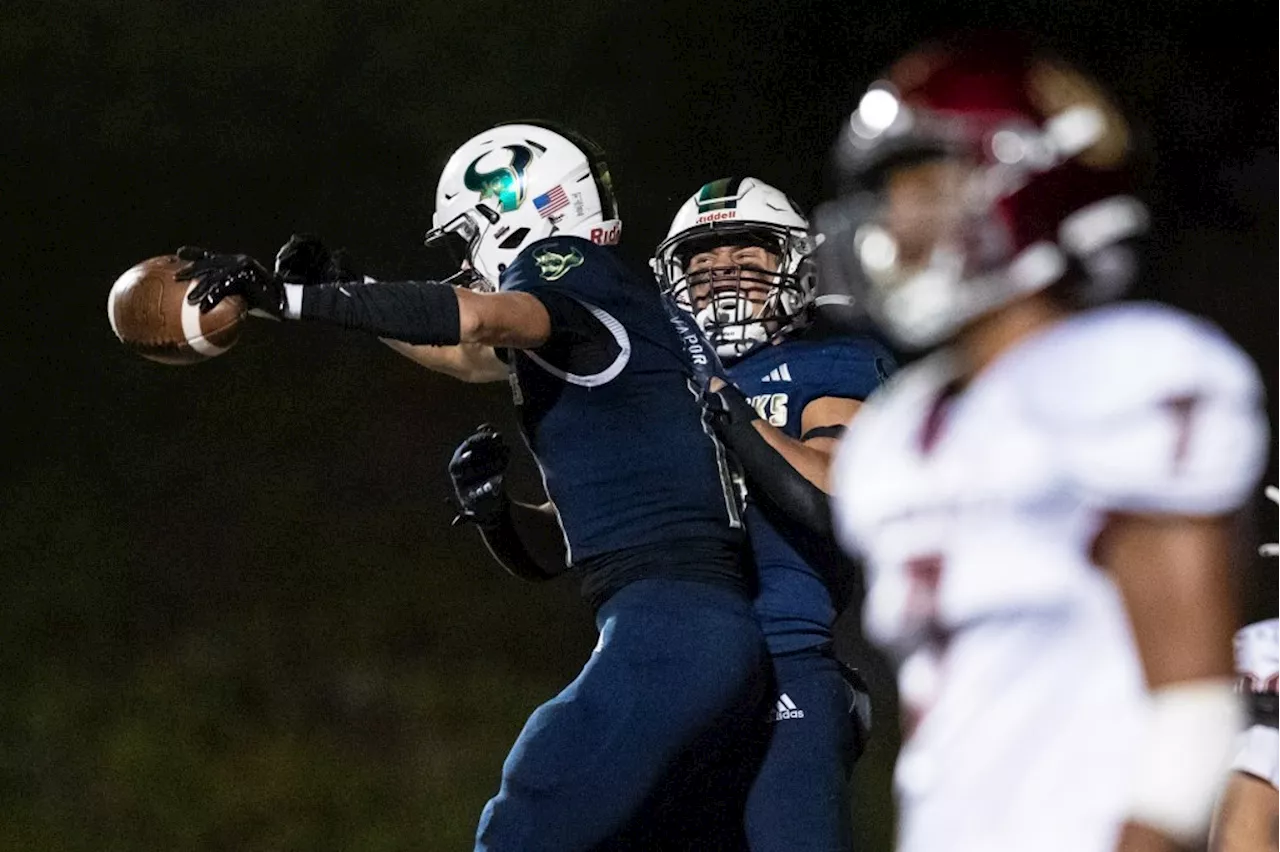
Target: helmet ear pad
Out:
[742,307]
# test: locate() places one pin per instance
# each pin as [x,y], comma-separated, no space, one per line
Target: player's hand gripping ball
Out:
[219,277]
[149,312]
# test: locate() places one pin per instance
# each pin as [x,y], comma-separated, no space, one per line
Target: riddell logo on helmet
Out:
[716,216]
[606,236]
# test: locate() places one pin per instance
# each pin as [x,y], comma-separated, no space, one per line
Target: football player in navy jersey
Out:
[641,504]
[738,258]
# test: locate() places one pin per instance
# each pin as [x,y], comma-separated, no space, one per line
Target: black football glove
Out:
[306,260]
[218,276]
[728,409]
[477,469]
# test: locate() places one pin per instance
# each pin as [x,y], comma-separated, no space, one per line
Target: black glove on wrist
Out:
[221,275]
[728,410]
[477,469]
[768,472]
[304,259]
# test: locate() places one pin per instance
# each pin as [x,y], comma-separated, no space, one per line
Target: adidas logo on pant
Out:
[785,709]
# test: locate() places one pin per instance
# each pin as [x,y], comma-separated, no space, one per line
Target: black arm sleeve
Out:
[420,312]
[796,497]
[526,541]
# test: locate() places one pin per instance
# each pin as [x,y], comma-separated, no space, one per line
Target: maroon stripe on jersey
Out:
[931,431]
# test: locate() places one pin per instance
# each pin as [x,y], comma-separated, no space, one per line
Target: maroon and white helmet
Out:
[1032,180]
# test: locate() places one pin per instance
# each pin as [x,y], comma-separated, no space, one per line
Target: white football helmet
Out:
[515,184]
[731,211]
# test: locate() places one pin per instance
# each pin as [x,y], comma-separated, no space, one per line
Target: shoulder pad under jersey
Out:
[1149,408]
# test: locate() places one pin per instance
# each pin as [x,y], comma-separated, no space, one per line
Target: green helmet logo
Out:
[720,194]
[507,184]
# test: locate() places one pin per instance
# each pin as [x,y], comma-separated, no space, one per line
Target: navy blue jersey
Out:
[793,604]
[609,409]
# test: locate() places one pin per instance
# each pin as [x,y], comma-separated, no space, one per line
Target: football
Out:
[149,312]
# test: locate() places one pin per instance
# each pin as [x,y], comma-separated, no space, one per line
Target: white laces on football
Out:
[1272,549]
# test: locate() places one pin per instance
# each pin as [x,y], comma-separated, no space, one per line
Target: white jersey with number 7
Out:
[976,510]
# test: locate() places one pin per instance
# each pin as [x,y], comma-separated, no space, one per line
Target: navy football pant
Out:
[677,663]
[782,787]
[799,800]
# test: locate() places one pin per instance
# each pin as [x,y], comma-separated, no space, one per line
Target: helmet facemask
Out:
[747,296]
[931,250]
[460,239]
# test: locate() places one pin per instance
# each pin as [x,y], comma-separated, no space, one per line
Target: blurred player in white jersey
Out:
[1250,805]
[1044,505]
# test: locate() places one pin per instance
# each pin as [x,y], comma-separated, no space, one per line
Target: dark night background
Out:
[233,614]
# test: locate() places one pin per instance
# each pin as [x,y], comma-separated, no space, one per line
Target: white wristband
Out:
[1183,763]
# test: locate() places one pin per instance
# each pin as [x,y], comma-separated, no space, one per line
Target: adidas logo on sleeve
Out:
[785,709]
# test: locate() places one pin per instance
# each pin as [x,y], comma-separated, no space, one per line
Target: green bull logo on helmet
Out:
[506,185]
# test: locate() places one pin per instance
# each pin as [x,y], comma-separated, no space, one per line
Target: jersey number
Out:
[924,573]
[1183,409]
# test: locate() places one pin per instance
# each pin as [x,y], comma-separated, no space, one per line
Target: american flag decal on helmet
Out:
[551,202]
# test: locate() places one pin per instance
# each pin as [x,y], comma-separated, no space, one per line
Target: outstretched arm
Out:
[415,312]
[425,313]
[469,362]
[306,260]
